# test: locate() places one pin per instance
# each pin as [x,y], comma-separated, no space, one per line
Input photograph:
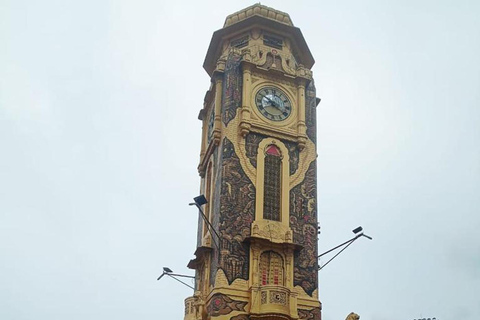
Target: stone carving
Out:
[278,297]
[264,297]
[268,58]
[293,154]
[232,87]
[217,178]
[303,222]
[273,231]
[221,304]
[273,62]
[252,141]
[313,314]
[237,211]
[310,111]
[352,316]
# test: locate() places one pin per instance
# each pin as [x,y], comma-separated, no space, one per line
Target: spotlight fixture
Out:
[200,200]
[357,230]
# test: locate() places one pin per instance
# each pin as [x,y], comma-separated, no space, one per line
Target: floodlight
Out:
[200,200]
[167,270]
[357,230]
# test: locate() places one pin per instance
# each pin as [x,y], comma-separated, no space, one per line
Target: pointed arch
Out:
[272,187]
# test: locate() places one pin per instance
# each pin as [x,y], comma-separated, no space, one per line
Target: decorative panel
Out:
[278,297]
[303,222]
[237,211]
[313,314]
[252,141]
[293,155]
[232,87]
[310,111]
[221,304]
[273,61]
[217,180]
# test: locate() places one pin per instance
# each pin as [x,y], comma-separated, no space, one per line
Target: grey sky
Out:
[100,140]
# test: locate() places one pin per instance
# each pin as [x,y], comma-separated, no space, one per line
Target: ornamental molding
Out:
[272,230]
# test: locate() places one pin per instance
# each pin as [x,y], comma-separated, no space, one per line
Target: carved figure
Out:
[352,316]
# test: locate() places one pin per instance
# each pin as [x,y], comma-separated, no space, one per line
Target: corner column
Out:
[301,127]
[246,95]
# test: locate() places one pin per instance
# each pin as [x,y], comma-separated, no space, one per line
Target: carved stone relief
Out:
[237,209]
[221,304]
[232,87]
[312,314]
[310,111]
[303,222]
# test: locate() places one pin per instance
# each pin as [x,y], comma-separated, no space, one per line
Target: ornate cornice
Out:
[258,10]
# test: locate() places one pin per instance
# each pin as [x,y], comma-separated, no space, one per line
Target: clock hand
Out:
[271,101]
[276,105]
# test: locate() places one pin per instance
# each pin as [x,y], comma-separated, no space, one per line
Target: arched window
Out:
[271,269]
[272,183]
[272,187]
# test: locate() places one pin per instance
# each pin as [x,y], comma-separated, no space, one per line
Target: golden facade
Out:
[258,170]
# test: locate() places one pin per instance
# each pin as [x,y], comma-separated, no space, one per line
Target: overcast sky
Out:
[99,143]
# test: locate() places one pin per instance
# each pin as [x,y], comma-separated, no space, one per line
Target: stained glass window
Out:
[272,184]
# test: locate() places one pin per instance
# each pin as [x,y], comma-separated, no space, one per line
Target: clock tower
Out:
[256,255]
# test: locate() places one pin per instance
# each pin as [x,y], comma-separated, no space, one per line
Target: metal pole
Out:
[209,225]
[168,274]
[340,245]
[181,275]
[351,241]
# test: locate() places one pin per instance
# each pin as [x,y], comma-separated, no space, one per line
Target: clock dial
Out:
[273,103]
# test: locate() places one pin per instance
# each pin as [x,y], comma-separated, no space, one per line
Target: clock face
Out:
[273,103]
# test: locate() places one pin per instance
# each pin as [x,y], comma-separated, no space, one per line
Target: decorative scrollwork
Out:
[221,304]
[278,297]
